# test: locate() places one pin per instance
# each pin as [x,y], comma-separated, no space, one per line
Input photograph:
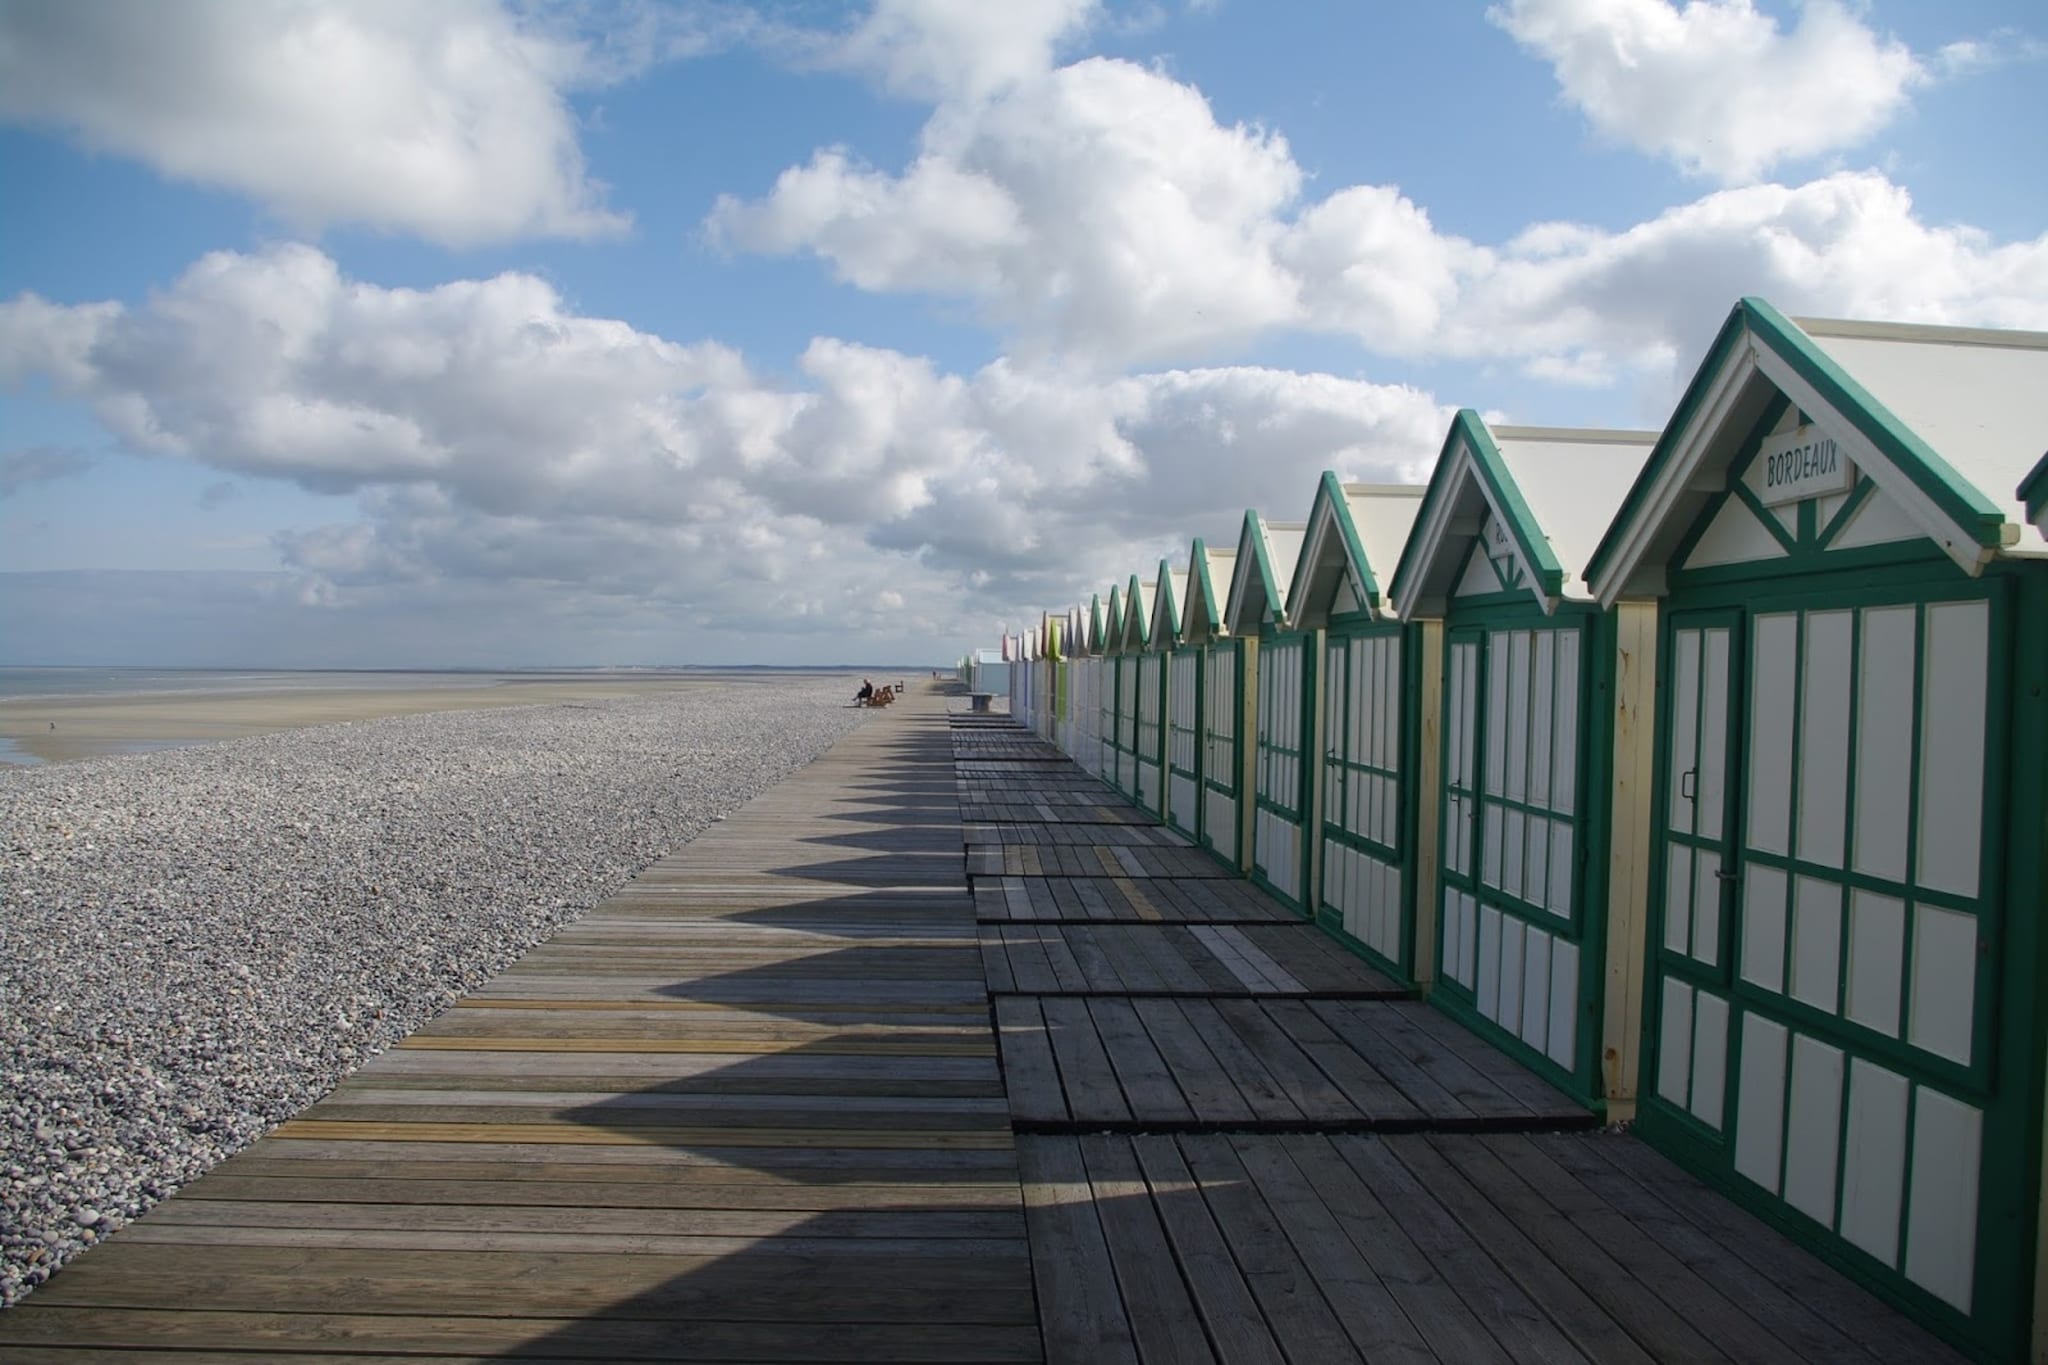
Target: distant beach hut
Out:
[1282,670]
[1380,678]
[1223,759]
[1086,671]
[1540,691]
[1181,754]
[1112,684]
[1843,1021]
[1147,701]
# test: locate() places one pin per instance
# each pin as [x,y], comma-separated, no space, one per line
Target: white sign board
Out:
[1805,462]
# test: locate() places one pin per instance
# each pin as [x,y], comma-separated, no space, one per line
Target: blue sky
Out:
[460,333]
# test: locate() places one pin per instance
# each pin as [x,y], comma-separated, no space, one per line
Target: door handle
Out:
[1685,793]
[1725,874]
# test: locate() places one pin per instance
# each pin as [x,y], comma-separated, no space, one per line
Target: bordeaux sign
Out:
[1805,462]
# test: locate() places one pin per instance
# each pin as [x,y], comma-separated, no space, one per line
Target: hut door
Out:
[1220,756]
[1151,693]
[1276,832]
[1699,864]
[1183,735]
[1363,856]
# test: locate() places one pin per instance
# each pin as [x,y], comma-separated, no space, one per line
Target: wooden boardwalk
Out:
[1239,1142]
[746,1109]
[818,1087]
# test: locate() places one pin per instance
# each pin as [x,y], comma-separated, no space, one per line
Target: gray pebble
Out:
[197,943]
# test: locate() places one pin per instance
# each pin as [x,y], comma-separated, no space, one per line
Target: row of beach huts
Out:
[1702,769]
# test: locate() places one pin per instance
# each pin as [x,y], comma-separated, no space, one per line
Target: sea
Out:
[28,683]
[19,682]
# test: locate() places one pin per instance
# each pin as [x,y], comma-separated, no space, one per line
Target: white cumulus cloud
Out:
[1716,85]
[489,434]
[442,118]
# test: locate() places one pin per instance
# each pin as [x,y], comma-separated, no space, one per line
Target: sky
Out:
[458,333]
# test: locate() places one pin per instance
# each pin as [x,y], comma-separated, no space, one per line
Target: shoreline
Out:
[61,729]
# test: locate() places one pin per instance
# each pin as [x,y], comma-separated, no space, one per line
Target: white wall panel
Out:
[1952,745]
[1813,1134]
[1874,1159]
[1941,1225]
[1564,1004]
[1944,992]
[1487,988]
[1824,738]
[1773,667]
[1760,1101]
[1817,942]
[1884,741]
[1709,1058]
[1564,748]
[1674,1042]
[1877,954]
[1763,927]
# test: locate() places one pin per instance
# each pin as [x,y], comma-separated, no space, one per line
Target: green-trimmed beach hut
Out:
[1155,705]
[1113,685]
[1540,716]
[1282,680]
[1380,677]
[1221,715]
[1145,674]
[1842,1022]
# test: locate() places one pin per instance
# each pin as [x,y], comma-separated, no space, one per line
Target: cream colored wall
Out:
[1427,793]
[1628,857]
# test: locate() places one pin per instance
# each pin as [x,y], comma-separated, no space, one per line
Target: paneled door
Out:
[1364,865]
[1281,767]
[1184,742]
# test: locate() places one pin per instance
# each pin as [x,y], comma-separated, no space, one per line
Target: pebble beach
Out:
[197,943]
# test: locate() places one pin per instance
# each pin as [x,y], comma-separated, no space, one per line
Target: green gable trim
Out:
[1137,625]
[1254,532]
[1962,503]
[1200,577]
[1330,494]
[1505,496]
[2033,490]
[1163,585]
[1113,624]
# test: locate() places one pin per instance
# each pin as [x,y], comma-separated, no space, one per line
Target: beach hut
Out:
[1541,716]
[1282,670]
[1215,712]
[1181,720]
[1088,684]
[1156,735]
[1148,702]
[1380,678]
[1842,1020]
[1113,684]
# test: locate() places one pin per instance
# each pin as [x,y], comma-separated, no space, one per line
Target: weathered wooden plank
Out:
[1230,1315]
[1082,1315]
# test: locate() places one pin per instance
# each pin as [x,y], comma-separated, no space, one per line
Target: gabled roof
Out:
[1944,420]
[1350,527]
[1209,574]
[1113,622]
[1541,495]
[2033,491]
[1098,629]
[1266,552]
[1138,598]
[1170,593]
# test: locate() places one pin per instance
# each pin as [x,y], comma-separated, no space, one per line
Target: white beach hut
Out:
[1843,1023]
[1374,801]
[1282,673]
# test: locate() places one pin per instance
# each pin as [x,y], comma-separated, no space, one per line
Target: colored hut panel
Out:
[1845,880]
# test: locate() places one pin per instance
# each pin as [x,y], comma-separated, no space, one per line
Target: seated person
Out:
[866,693]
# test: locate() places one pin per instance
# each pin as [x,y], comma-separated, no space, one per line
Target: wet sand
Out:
[65,729]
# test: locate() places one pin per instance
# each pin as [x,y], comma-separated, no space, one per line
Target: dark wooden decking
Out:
[750,1109]
[1240,1142]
